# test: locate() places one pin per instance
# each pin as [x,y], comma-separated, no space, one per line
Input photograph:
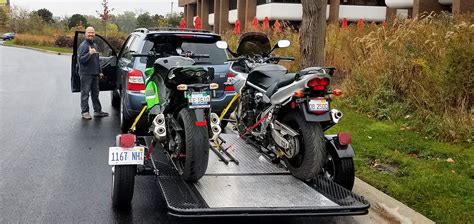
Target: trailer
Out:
[240,180]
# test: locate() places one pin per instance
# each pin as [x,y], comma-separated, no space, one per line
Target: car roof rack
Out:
[146,30]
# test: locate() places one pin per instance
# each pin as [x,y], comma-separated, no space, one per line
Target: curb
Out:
[384,208]
[36,49]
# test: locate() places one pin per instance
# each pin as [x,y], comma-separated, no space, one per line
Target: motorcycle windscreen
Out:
[253,43]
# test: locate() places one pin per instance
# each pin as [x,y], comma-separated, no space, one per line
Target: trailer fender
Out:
[343,151]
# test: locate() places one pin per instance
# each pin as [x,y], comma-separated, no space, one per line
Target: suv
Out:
[124,71]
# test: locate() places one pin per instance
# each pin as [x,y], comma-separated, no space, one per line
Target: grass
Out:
[48,48]
[432,177]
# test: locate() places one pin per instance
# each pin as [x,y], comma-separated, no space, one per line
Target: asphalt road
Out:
[53,164]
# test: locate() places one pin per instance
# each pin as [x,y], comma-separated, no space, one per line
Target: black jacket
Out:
[88,64]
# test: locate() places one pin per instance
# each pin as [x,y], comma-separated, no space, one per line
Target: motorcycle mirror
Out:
[283,43]
[222,44]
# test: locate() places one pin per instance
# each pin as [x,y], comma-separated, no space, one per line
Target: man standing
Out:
[90,72]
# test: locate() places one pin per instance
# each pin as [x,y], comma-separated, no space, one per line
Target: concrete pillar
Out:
[190,13]
[241,13]
[198,7]
[186,14]
[205,14]
[224,18]
[334,11]
[217,15]
[463,6]
[391,14]
[427,6]
[250,12]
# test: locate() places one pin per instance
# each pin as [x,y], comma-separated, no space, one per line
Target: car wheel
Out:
[115,99]
[125,119]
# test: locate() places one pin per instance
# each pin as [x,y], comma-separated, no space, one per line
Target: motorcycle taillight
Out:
[318,84]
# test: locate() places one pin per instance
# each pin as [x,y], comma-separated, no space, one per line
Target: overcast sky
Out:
[88,7]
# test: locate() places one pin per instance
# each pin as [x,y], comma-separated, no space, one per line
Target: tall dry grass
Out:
[418,71]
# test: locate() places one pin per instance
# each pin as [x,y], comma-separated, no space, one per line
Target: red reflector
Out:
[127,140]
[319,88]
[135,80]
[229,88]
[344,138]
[230,75]
[201,123]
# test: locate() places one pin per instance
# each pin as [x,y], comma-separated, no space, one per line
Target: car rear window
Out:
[217,56]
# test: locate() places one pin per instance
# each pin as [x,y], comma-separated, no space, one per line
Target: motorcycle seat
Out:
[283,81]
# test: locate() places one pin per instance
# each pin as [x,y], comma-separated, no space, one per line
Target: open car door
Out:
[107,59]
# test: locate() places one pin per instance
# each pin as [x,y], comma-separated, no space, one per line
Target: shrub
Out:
[64,41]
[33,40]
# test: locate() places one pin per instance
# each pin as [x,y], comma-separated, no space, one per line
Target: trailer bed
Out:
[253,187]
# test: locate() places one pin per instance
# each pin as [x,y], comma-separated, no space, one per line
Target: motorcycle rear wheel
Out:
[194,157]
[309,161]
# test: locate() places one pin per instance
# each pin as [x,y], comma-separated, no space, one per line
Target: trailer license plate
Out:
[199,100]
[126,156]
[318,105]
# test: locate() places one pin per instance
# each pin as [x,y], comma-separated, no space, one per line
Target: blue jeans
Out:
[90,84]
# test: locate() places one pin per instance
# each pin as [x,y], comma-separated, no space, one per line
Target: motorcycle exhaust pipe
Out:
[160,127]
[336,115]
[215,119]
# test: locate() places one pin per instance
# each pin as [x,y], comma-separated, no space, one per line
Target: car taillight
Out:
[230,80]
[318,84]
[135,80]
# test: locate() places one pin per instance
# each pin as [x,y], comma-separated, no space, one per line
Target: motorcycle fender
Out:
[313,117]
[175,124]
[342,151]
[199,114]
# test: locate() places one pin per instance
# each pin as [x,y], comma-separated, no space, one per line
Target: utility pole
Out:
[172,8]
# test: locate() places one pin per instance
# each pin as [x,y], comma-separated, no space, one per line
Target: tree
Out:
[77,20]
[3,17]
[173,19]
[334,11]
[160,20]
[45,15]
[313,33]
[145,20]
[105,15]
[126,22]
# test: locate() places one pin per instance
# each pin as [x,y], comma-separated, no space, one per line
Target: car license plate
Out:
[126,156]
[199,100]
[318,105]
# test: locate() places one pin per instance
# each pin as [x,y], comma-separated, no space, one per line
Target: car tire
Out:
[125,119]
[115,99]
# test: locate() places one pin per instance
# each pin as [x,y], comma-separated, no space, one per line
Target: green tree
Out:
[3,17]
[160,20]
[173,19]
[145,20]
[126,22]
[77,20]
[45,15]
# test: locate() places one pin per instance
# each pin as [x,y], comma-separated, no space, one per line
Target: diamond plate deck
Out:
[268,191]
[250,161]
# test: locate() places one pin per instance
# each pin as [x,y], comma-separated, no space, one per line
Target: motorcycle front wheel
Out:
[194,156]
[309,161]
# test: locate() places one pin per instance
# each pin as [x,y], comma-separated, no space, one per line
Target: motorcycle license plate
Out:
[318,105]
[199,100]
[126,156]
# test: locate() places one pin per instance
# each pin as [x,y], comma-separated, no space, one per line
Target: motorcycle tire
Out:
[340,170]
[309,161]
[196,147]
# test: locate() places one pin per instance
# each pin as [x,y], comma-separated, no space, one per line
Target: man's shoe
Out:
[101,114]
[86,116]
